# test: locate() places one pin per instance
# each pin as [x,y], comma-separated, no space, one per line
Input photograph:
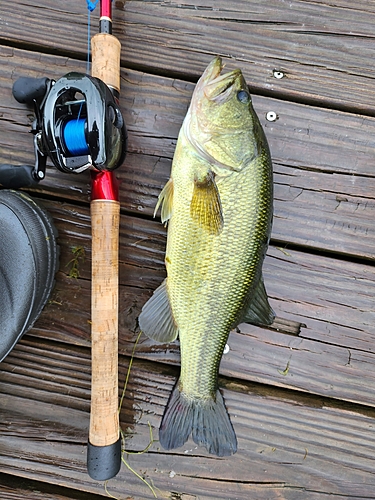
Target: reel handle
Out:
[26,89]
[15,177]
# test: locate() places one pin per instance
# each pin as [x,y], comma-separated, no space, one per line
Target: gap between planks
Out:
[312,445]
[324,181]
[325,51]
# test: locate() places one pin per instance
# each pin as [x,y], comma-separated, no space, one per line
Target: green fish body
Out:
[218,204]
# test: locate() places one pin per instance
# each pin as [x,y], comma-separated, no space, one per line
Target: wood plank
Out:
[294,441]
[17,488]
[324,181]
[325,50]
[289,445]
[333,355]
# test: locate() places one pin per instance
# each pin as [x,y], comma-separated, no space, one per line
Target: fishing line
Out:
[124,451]
[151,442]
[75,137]
[91,6]
[74,130]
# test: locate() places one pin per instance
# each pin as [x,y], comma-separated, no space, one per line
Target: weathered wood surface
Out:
[21,489]
[301,394]
[276,454]
[325,49]
[333,354]
[323,159]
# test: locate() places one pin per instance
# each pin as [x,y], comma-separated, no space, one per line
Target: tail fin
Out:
[206,419]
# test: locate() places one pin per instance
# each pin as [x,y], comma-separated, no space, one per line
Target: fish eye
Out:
[243,96]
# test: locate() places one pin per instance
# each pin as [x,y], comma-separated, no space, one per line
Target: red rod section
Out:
[106,9]
[104,186]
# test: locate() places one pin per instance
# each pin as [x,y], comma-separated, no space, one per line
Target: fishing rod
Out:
[78,124]
[104,447]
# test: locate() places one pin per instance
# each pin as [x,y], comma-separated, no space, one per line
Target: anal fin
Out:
[156,318]
[258,310]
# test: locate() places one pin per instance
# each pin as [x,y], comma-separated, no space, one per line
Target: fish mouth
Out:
[216,86]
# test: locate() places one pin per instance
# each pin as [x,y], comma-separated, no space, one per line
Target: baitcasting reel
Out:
[78,124]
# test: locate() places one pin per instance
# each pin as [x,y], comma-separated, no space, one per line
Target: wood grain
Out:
[12,488]
[325,50]
[316,448]
[324,180]
[301,393]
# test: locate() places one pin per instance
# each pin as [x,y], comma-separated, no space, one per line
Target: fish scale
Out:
[218,205]
[213,277]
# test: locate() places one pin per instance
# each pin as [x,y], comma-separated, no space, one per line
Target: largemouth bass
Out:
[218,205]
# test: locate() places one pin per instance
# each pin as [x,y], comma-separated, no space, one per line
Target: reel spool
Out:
[78,124]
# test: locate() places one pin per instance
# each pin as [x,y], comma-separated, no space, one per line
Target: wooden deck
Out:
[301,394]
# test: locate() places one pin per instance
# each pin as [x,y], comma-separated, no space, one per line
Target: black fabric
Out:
[28,264]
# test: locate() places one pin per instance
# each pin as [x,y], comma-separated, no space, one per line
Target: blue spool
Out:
[75,137]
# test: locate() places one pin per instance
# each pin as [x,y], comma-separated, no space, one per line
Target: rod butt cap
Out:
[103,462]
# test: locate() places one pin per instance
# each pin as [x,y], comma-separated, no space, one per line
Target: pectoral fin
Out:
[205,206]
[156,318]
[165,200]
[258,311]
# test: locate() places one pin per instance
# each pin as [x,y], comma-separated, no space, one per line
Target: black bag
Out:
[28,264]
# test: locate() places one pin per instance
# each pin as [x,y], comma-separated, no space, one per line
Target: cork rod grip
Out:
[106,51]
[104,450]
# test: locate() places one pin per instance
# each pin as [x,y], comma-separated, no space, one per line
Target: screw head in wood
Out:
[278,74]
[271,116]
